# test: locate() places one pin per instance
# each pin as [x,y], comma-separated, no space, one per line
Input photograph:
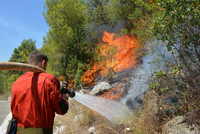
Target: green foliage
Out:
[153,85]
[50,49]
[11,80]
[102,12]
[79,74]
[66,39]
[164,89]
[21,53]
[160,74]
[139,15]
[2,82]
[178,26]
[78,54]
[176,70]
[62,17]
[6,81]
[157,85]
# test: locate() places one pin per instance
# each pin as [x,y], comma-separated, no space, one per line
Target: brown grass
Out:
[142,122]
[145,121]
[4,96]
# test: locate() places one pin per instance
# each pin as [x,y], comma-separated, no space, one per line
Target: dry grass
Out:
[4,96]
[142,122]
[145,121]
[87,118]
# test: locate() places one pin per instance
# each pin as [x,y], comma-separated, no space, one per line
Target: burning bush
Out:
[117,54]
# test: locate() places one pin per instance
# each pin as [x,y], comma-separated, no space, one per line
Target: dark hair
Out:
[36,57]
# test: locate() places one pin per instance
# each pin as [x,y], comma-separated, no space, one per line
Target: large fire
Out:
[119,53]
[123,52]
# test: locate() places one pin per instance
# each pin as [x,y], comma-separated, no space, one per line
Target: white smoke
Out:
[141,80]
[99,30]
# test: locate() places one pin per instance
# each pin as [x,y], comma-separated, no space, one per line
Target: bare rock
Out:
[92,130]
[178,126]
[60,130]
[100,88]
[78,118]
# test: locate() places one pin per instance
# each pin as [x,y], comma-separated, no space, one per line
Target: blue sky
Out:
[19,20]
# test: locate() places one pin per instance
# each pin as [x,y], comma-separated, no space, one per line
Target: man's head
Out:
[39,59]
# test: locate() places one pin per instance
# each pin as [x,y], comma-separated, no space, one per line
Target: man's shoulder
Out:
[30,75]
[49,76]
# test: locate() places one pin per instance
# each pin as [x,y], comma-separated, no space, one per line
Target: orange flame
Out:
[119,53]
[61,78]
[111,93]
[70,81]
[125,48]
[89,76]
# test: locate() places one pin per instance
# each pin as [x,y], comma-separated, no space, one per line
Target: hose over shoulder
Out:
[20,67]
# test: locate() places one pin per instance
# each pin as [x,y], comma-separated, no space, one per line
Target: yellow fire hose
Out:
[20,67]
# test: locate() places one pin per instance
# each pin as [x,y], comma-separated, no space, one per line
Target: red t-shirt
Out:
[35,99]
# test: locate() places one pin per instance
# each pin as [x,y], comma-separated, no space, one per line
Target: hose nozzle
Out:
[65,90]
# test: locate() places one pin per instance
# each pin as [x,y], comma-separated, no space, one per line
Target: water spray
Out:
[114,111]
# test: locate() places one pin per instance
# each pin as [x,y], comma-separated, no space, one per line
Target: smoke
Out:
[98,31]
[141,80]
[117,28]
[155,59]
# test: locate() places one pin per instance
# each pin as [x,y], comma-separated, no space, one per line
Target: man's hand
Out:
[65,96]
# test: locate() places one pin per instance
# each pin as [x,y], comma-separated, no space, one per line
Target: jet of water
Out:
[114,111]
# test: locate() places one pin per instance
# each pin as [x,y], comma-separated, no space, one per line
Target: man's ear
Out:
[44,64]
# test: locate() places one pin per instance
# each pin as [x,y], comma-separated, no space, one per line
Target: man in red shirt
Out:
[36,98]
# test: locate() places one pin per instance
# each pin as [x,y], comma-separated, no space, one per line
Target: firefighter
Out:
[35,99]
